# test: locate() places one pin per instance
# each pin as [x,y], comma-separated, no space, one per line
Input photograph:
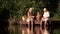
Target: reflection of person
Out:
[41,30]
[30,16]
[38,30]
[28,31]
[45,31]
[46,16]
[22,31]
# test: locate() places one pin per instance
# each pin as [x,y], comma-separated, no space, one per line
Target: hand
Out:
[45,17]
[32,16]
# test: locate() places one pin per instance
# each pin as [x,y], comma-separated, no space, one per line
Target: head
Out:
[45,9]
[30,10]
[38,13]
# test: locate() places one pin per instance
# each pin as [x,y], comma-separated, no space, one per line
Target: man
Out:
[46,16]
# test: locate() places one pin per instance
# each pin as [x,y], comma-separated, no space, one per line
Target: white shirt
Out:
[46,14]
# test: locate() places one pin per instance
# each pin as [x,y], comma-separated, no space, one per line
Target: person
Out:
[38,17]
[30,16]
[46,16]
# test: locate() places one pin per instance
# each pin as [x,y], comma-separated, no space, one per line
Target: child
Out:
[38,17]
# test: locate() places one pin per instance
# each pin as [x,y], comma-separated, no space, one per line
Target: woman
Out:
[30,16]
[46,16]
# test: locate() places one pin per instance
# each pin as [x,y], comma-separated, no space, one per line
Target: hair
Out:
[46,8]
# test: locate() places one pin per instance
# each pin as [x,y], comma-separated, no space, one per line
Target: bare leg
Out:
[41,23]
[45,23]
[31,23]
[28,24]
[40,29]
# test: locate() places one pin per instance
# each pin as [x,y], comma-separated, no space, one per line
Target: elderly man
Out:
[45,17]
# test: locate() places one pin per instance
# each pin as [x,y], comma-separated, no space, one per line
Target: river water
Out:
[17,29]
[33,30]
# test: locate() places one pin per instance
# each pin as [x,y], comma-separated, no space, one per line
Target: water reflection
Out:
[41,30]
[11,29]
[36,30]
[45,31]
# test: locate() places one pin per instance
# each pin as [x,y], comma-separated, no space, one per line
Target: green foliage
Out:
[18,8]
[56,31]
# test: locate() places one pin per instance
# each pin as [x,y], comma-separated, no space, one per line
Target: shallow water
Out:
[17,29]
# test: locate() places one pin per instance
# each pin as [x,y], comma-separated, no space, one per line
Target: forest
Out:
[13,10]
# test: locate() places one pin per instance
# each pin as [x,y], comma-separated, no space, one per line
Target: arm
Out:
[28,14]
